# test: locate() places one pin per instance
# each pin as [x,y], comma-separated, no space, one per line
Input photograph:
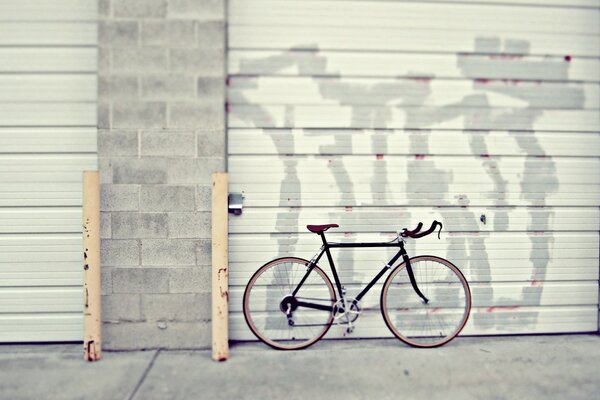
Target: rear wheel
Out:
[272,311]
[428,324]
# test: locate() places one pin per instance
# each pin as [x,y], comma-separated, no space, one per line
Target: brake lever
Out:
[432,229]
[440,231]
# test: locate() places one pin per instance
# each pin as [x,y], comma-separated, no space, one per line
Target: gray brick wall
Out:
[161,135]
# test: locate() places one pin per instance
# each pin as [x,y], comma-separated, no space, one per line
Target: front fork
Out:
[411,275]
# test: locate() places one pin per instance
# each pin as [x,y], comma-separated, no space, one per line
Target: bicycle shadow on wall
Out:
[501,72]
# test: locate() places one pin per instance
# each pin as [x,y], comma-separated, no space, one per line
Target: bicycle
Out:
[290,303]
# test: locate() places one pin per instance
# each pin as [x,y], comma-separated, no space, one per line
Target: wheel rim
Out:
[270,287]
[438,321]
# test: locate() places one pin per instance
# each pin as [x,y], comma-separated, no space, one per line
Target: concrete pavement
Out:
[523,367]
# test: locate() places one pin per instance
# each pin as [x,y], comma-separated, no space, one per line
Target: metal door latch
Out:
[236,203]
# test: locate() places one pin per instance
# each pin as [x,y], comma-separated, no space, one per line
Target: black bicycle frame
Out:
[325,249]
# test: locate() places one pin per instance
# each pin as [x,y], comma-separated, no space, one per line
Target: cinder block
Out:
[197,9]
[156,335]
[104,60]
[139,60]
[166,252]
[191,225]
[140,170]
[204,62]
[140,8]
[118,142]
[154,33]
[103,115]
[167,87]
[171,33]
[105,225]
[168,143]
[121,307]
[118,87]
[105,168]
[140,280]
[204,252]
[117,33]
[139,115]
[167,198]
[180,307]
[194,171]
[204,197]
[119,197]
[182,33]
[211,88]
[189,279]
[119,253]
[211,35]
[139,225]
[211,143]
[106,280]
[197,115]
[104,8]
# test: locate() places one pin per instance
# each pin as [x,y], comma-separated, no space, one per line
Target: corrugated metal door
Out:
[378,114]
[48,96]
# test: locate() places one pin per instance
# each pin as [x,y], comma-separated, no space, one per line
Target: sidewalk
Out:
[524,367]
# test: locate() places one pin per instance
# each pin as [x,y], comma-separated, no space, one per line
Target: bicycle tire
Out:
[262,301]
[421,324]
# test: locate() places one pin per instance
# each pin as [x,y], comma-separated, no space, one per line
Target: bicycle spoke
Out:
[271,285]
[426,324]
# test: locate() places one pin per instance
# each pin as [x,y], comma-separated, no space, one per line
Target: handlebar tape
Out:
[416,233]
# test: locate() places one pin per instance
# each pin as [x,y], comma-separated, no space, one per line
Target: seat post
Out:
[322,234]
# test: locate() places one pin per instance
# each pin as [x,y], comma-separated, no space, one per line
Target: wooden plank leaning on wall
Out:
[220,270]
[92,312]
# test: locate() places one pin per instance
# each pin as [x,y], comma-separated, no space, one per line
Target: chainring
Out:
[341,315]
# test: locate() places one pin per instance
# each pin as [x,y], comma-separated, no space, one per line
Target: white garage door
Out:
[378,114]
[48,94]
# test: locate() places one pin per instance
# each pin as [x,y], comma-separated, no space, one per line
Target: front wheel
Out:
[277,316]
[416,322]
